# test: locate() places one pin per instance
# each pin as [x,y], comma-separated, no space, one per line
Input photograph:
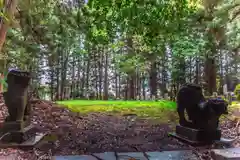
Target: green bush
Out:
[238,97]
[237,92]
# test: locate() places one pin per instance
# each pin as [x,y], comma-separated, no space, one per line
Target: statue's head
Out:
[18,77]
[216,106]
[219,106]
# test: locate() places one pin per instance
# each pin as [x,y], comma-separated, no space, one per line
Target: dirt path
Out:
[78,134]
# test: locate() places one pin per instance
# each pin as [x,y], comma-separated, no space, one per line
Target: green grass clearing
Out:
[159,110]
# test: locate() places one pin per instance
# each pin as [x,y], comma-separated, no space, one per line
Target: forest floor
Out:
[72,133]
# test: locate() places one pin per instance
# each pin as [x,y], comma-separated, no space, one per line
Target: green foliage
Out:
[237,91]
[53,29]
[3,81]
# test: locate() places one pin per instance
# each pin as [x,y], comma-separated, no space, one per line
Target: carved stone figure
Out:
[16,97]
[188,98]
[17,131]
[201,126]
[201,114]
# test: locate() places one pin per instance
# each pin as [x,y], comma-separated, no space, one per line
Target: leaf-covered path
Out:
[97,132]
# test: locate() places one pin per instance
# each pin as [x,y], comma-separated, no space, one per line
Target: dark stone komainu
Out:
[16,98]
[17,131]
[201,126]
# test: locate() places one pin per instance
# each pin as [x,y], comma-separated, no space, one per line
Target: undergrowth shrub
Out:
[237,92]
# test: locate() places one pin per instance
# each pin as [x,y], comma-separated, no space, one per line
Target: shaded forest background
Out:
[122,49]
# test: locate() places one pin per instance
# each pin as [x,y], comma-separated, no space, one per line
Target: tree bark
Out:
[10,6]
[210,66]
[87,74]
[100,65]
[210,75]
[73,93]
[106,76]
[153,79]
[197,70]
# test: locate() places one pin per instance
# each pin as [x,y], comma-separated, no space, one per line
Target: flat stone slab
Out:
[27,144]
[83,157]
[106,155]
[226,154]
[165,155]
[131,155]
[172,155]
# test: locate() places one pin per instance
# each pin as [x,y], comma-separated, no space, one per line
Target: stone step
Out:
[28,144]
[19,136]
[165,155]
[217,154]
[226,154]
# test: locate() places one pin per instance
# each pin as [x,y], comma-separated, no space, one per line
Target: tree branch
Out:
[235,16]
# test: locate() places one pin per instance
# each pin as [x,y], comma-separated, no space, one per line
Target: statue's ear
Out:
[202,105]
[226,107]
[226,104]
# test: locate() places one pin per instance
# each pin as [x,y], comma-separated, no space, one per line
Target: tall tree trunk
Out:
[52,84]
[95,72]
[78,75]
[73,93]
[51,64]
[138,84]
[210,66]
[84,73]
[100,65]
[236,60]
[182,72]
[190,69]
[64,74]
[119,85]
[197,70]
[144,87]
[164,75]
[221,74]
[10,7]
[87,76]
[132,73]
[132,80]
[116,83]
[213,34]
[106,76]
[210,73]
[153,79]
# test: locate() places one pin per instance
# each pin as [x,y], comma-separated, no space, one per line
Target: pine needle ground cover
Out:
[159,110]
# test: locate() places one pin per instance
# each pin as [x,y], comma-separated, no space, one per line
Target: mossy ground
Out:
[163,110]
[158,110]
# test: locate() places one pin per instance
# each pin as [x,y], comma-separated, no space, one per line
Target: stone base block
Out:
[14,126]
[226,154]
[27,137]
[195,136]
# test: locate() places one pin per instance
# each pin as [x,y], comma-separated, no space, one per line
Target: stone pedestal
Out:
[14,126]
[16,130]
[28,136]
[195,136]
[226,154]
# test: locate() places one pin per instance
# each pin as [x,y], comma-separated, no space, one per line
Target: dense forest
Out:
[112,49]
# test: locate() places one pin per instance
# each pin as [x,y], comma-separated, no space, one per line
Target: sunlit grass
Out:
[159,110]
[235,102]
